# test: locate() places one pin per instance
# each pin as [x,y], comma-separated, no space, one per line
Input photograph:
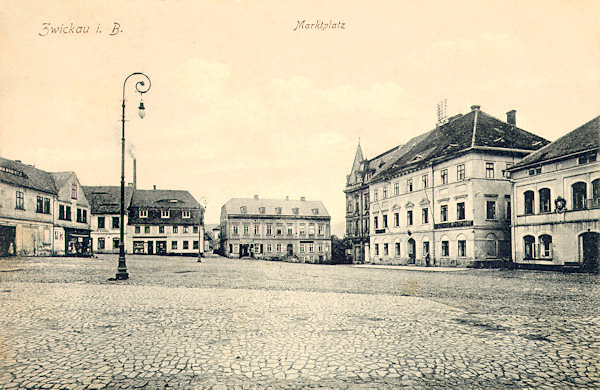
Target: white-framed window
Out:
[375,195]
[444,176]
[396,188]
[246,229]
[460,211]
[409,185]
[175,229]
[243,210]
[490,209]
[460,172]
[320,247]
[186,214]
[290,229]
[146,229]
[235,230]
[269,229]
[321,229]
[462,248]
[278,247]
[165,213]
[311,229]
[269,248]
[302,249]
[143,213]
[384,192]
[444,212]
[445,249]
[256,229]
[311,247]
[185,229]
[489,170]
[425,181]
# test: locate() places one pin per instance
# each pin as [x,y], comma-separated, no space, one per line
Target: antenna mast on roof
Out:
[441,112]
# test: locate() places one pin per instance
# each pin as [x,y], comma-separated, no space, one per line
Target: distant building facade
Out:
[444,197]
[557,202]
[357,201]
[105,202]
[294,230]
[165,222]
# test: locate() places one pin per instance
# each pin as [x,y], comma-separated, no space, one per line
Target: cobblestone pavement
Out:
[65,326]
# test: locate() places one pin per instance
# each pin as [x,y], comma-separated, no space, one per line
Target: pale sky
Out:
[242,104]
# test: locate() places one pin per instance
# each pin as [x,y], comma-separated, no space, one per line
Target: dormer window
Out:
[315,211]
[295,210]
[186,214]
[278,210]
[143,213]
[243,210]
[261,210]
[165,214]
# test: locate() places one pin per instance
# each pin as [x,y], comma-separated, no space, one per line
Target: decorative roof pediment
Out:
[424,202]
[409,205]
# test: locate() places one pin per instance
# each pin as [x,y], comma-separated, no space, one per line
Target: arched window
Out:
[545,246]
[529,247]
[462,245]
[596,194]
[491,245]
[528,202]
[544,200]
[579,190]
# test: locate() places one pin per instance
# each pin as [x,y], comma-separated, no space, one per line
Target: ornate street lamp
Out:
[140,87]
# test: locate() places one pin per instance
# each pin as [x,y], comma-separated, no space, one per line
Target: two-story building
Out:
[72,213]
[27,199]
[165,222]
[293,230]
[557,202]
[105,204]
[446,199]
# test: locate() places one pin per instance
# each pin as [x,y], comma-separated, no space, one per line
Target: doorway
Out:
[290,250]
[411,251]
[150,247]
[589,250]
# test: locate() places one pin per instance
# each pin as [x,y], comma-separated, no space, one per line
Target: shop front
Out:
[78,242]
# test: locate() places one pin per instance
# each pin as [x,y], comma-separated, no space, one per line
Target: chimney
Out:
[255,196]
[18,161]
[154,187]
[287,197]
[511,117]
[134,175]
[475,107]
[302,198]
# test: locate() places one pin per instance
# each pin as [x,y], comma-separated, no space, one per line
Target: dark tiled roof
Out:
[305,207]
[61,178]
[475,130]
[586,137]
[170,199]
[107,199]
[23,175]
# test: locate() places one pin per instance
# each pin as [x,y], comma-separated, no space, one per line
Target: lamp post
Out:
[140,87]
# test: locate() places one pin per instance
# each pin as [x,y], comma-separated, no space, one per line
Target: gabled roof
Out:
[27,176]
[583,138]
[473,131]
[253,205]
[171,199]
[61,178]
[107,199]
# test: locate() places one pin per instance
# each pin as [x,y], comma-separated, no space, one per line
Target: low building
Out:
[293,230]
[445,199]
[71,223]
[105,204]
[557,202]
[27,199]
[165,222]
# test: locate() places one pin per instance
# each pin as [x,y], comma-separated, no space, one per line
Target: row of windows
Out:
[64,213]
[278,210]
[543,249]
[410,186]
[115,244]
[445,247]
[43,205]
[102,222]
[162,229]
[579,200]
[278,248]
[279,229]
[143,213]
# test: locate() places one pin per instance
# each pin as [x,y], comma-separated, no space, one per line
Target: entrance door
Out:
[290,250]
[411,251]
[150,247]
[161,247]
[589,250]
[7,240]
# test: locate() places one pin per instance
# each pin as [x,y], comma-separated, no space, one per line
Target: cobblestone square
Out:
[228,324]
